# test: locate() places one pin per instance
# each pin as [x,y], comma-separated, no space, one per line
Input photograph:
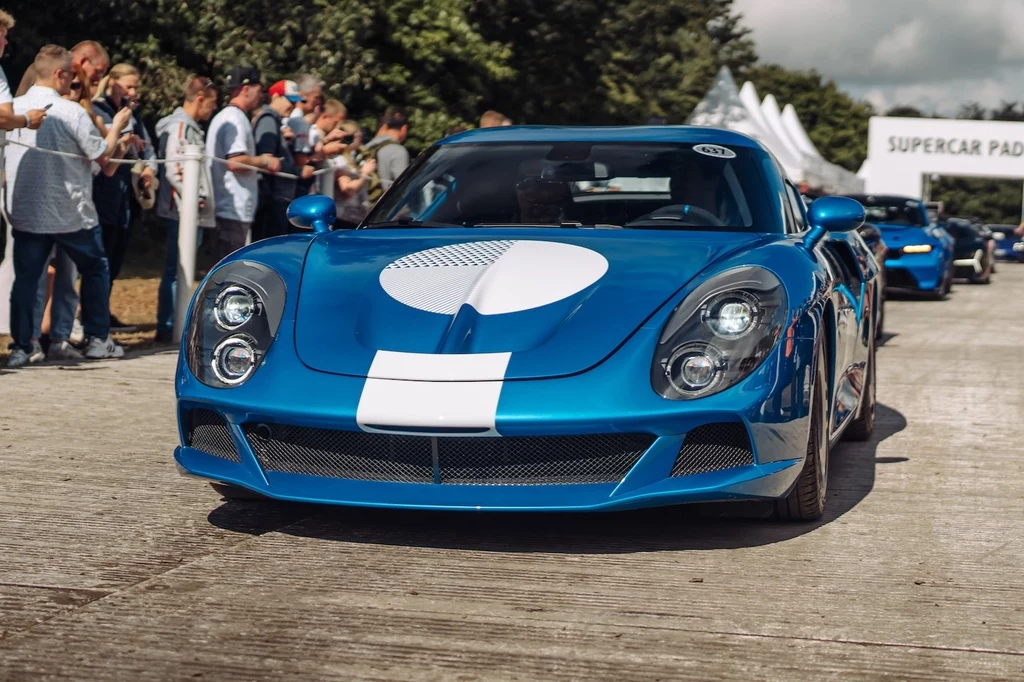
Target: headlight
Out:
[999,236]
[719,334]
[235,306]
[917,248]
[234,320]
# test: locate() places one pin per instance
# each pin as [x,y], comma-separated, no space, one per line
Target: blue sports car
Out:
[542,318]
[920,255]
[1009,245]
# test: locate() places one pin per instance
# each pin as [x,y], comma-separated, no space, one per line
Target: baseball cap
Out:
[243,75]
[286,89]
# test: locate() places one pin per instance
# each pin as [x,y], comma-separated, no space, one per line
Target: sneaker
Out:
[117,325]
[37,354]
[17,358]
[103,348]
[77,332]
[62,350]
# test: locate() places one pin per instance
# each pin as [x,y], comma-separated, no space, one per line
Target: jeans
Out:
[31,253]
[168,291]
[115,244]
[64,296]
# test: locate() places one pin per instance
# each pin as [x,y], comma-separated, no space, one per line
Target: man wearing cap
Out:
[232,148]
[275,192]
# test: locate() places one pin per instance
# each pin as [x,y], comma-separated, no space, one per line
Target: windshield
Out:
[649,186]
[894,212]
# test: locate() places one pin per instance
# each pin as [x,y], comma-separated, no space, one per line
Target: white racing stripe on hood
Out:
[410,392]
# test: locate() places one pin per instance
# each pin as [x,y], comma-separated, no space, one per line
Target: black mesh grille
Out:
[207,431]
[466,460]
[536,460]
[714,447]
[342,454]
[898,277]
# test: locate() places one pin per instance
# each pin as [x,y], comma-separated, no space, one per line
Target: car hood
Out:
[544,302]
[897,236]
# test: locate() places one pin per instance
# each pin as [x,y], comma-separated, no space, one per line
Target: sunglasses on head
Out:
[75,85]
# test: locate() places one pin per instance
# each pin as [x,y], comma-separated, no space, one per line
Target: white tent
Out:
[812,164]
[836,178]
[723,108]
[741,110]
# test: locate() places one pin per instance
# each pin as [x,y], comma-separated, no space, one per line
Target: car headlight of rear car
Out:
[719,334]
[234,320]
[917,248]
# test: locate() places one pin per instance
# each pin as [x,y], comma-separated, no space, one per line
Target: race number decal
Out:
[715,151]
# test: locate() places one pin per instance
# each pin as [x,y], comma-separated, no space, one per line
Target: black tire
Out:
[806,501]
[236,493]
[861,428]
[946,287]
[880,325]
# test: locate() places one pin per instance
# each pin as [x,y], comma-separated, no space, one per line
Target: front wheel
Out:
[806,501]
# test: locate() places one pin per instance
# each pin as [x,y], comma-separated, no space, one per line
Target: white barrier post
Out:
[188,228]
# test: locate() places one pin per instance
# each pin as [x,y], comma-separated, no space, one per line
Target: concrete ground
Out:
[114,567]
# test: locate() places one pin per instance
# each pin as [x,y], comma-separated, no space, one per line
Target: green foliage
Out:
[836,123]
[991,200]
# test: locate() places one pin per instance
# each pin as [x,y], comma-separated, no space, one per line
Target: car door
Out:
[847,300]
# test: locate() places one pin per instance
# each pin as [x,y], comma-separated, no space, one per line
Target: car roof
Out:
[531,133]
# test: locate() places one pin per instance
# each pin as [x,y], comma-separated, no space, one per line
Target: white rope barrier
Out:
[188,216]
[130,162]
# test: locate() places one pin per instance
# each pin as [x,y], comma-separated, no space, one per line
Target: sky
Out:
[932,54]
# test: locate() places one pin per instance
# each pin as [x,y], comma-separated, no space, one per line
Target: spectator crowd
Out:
[69,215]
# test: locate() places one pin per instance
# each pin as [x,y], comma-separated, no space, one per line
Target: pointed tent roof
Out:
[796,131]
[792,163]
[812,165]
[723,108]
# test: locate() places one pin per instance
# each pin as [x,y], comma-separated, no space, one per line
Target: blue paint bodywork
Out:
[928,272]
[578,366]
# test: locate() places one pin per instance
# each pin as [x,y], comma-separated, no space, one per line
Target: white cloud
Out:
[934,54]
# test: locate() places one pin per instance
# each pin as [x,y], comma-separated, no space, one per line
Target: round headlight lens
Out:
[234,307]
[692,370]
[234,359]
[732,317]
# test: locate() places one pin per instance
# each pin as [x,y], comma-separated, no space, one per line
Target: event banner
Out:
[901,150]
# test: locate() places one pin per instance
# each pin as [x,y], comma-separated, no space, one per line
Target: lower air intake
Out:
[539,460]
[714,447]
[207,431]
[341,454]
[515,460]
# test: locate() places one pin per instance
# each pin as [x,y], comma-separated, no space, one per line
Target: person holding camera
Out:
[352,174]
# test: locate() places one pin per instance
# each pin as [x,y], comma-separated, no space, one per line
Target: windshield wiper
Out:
[668,222]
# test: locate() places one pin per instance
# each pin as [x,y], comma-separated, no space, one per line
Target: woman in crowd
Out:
[350,199]
[114,195]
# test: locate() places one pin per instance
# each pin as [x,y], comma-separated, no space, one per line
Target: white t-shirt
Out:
[234,192]
[46,193]
[5,88]
[301,144]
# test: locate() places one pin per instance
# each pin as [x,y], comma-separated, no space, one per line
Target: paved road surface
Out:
[114,567]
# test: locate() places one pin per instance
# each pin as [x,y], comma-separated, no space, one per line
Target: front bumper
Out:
[921,271]
[770,406]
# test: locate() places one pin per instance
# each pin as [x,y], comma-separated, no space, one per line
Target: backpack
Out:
[374,189]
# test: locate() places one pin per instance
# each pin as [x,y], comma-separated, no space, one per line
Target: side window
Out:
[799,210]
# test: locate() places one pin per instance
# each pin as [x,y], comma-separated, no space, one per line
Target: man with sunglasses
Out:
[50,203]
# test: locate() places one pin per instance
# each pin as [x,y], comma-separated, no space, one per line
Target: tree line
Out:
[593,62]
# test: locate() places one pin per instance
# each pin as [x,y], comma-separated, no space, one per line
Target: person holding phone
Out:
[8,120]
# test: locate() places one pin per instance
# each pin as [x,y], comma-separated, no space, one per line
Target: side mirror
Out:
[314,211]
[832,214]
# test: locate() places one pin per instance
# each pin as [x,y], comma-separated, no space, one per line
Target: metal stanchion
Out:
[188,228]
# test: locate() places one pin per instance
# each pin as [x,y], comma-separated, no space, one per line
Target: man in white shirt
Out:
[230,139]
[8,119]
[49,201]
